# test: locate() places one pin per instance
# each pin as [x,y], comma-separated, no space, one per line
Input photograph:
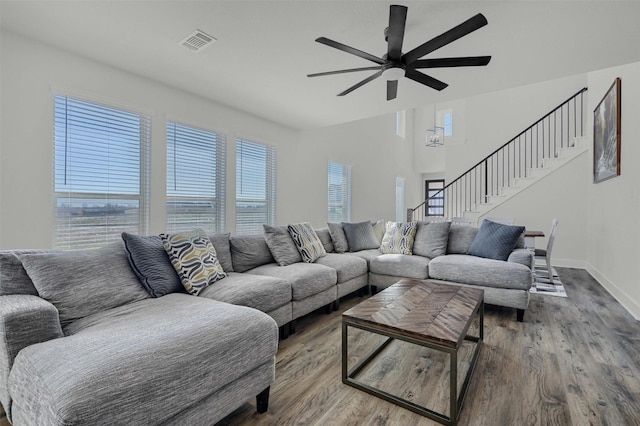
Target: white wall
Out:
[613,209]
[33,72]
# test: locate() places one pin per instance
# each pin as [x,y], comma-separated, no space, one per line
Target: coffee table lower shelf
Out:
[456,400]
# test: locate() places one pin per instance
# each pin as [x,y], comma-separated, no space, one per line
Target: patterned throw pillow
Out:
[194,257]
[307,242]
[398,238]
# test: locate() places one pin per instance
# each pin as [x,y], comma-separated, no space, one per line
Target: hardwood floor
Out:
[573,361]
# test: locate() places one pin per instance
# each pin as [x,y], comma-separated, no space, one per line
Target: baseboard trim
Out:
[623,298]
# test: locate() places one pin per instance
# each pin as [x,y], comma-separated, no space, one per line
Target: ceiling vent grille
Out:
[197,41]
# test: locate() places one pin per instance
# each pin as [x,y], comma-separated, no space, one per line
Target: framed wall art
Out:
[606,135]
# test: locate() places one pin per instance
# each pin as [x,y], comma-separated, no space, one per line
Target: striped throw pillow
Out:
[398,238]
[194,258]
[307,242]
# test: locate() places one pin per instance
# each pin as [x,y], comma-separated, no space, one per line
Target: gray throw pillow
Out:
[223,250]
[152,265]
[249,251]
[281,245]
[495,240]
[360,236]
[431,239]
[325,237]
[460,238]
[13,277]
[84,282]
[338,238]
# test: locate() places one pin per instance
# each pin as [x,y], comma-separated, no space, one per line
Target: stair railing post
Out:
[486,181]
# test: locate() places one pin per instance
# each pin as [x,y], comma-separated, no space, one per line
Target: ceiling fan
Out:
[394,64]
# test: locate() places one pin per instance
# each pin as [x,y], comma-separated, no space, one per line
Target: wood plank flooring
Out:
[574,361]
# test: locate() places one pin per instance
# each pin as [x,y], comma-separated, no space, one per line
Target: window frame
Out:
[428,187]
[345,204]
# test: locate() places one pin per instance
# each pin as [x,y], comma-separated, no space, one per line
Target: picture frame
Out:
[606,134]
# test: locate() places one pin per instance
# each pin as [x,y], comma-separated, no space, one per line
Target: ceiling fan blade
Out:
[468,26]
[392,89]
[470,61]
[425,79]
[319,74]
[395,32]
[349,49]
[362,83]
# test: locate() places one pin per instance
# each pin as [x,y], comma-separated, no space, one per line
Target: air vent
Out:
[197,41]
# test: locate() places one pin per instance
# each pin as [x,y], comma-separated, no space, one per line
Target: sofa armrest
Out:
[24,321]
[523,256]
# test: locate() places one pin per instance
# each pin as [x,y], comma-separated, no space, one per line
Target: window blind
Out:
[255,186]
[196,179]
[101,177]
[339,202]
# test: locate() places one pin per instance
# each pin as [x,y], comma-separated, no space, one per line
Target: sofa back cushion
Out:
[281,245]
[81,283]
[460,238]
[431,239]
[223,250]
[151,264]
[360,236]
[249,251]
[13,277]
[325,238]
[338,238]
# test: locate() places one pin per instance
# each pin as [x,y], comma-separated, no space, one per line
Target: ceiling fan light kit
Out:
[394,64]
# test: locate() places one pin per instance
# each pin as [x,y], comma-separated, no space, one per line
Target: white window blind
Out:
[401,213]
[339,179]
[101,182]
[255,186]
[196,182]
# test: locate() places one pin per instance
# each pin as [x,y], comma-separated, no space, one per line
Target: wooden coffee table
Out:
[424,313]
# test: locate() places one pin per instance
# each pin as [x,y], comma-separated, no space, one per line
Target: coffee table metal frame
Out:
[456,401]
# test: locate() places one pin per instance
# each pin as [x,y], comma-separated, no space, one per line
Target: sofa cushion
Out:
[194,257]
[431,239]
[495,240]
[400,265]
[152,265]
[306,279]
[360,236]
[465,269]
[325,237]
[347,267]
[281,245]
[13,277]
[223,250]
[192,347]
[249,251]
[255,291]
[306,241]
[83,282]
[398,238]
[367,255]
[460,238]
[340,243]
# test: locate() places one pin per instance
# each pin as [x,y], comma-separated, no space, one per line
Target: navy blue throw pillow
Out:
[151,264]
[495,240]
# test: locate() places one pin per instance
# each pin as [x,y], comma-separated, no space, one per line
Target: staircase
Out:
[551,142]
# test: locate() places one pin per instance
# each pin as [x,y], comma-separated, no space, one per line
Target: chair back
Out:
[552,236]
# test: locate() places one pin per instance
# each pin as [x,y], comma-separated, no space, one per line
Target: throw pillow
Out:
[495,240]
[460,238]
[194,257]
[152,265]
[338,238]
[398,238]
[249,251]
[80,283]
[281,245]
[307,242]
[431,239]
[325,237]
[360,236]
[223,250]
[379,228]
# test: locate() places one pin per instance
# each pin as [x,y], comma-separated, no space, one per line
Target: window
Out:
[255,186]
[401,123]
[448,123]
[339,179]
[101,178]
[435,205]
[401,213]
[196,161]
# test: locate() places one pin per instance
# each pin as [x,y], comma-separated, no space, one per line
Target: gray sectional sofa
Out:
[82,342]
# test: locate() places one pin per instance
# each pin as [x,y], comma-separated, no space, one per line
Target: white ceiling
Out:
[266,48]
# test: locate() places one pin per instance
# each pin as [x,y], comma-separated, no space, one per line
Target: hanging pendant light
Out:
[434,136]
